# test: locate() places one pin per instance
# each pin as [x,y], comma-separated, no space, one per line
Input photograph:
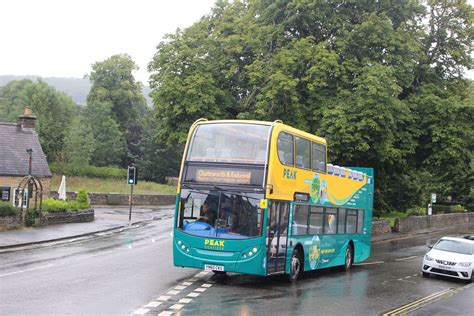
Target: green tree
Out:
[53,109]
[109,143]
[113,82]
[382,81]
[80,142]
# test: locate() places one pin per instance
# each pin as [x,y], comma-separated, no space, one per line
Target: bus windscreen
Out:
[229,215]
[230,143]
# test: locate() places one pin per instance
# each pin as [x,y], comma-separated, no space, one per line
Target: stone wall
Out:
[123,199]
[435,221]
[66,217]
[10,222]
[381,227]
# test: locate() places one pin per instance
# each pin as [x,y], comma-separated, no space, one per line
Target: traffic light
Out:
[132,175]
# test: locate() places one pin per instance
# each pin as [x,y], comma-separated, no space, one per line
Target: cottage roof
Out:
[15,139]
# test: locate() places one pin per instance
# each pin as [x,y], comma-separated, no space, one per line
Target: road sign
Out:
[433,197]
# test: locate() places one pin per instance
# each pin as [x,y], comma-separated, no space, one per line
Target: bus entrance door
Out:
[277,236]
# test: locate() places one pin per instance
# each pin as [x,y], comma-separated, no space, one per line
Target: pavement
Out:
[106,219]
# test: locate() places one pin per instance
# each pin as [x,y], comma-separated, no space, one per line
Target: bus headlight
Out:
[249,252]
[182,246]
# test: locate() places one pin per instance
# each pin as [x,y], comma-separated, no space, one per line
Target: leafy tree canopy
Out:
[381,80]
[53,109]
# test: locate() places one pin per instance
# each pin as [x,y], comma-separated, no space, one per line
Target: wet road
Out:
[131,272]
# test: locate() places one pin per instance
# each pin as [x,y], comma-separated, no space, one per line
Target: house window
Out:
[23,200]
[5,193]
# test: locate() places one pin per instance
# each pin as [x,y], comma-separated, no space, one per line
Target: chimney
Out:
[27,120]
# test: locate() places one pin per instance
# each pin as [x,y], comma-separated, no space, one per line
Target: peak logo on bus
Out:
[289,174]
[213,244]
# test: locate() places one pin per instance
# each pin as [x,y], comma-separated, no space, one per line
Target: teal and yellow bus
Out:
[260,198]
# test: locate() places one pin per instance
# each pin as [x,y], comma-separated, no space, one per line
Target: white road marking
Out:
[163,298]
[206,285]
[406,258]
[192,280]
[402,280]
[201,289]
[165,313]
[177,306]
[141,311]
[153,304]
[96,255]
[415,275]
[185,300]
[368,263]
[173,292]
[193,294]
[180,287]
[27,270]
[187,283]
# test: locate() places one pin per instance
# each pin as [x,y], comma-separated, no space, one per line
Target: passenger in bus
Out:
[207,215]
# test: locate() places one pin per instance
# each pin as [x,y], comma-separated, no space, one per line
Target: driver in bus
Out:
[207,215]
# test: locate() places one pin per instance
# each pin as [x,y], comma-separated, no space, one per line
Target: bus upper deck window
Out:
[285,149]
[319,157]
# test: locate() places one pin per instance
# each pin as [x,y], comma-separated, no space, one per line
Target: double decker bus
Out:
[260,198]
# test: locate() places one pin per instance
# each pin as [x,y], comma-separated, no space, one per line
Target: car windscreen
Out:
[455,246]
[230,143]
[223,214]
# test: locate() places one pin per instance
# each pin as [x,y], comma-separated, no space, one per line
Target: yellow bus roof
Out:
[281,127]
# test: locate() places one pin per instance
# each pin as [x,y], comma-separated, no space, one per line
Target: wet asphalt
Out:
[131,272]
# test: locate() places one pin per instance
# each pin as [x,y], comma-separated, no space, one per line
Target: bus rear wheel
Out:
[296,268]
[348,259]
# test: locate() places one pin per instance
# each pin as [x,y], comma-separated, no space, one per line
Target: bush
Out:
[82,199]
[30,217]
[51,205]
[7,210]
[88,171]
[417,211]
[439,208]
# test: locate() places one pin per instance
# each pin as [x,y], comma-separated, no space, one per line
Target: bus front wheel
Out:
[296,266]
[348,259]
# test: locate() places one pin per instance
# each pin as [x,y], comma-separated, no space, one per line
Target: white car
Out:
[452,257]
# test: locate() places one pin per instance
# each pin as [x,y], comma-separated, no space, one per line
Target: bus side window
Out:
[299,226]
[360,221]
[330,224]
[286,149]
[319,157]
[341,227]
[316,218]
[303,153]
[351,221]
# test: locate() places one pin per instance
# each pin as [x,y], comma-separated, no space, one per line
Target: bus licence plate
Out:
[213,267]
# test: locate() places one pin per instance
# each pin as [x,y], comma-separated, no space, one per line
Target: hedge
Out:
[438,208]
[88,171]
[7,210]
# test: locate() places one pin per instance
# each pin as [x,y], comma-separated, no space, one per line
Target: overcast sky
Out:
[63,38]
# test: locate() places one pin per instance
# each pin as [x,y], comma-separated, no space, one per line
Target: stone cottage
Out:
[17,141]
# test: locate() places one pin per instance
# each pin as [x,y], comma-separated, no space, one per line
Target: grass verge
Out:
[74,183]
[392,216]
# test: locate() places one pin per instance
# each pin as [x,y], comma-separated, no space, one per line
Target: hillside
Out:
[76,88]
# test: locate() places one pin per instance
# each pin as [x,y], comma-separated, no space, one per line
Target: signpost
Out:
[430,205]
[132,180]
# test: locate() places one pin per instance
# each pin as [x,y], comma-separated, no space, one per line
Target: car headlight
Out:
[465,264]
[428,258]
